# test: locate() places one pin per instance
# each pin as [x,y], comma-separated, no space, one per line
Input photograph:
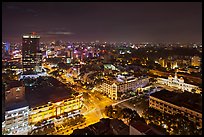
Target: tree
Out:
[135,115]
[193,90]
[127,114]
[109,111]
[118,112]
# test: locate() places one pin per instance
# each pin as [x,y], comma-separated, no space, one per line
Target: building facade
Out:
[24,110]
[178,83]
[31,55]
[16,121]
[20,118]
[52,110]
[70,56]
[16,110]
[114,87]
[174,105]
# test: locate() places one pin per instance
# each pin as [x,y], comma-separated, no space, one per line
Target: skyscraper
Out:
[31,54]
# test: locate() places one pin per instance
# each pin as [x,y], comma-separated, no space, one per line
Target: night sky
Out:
[111,21]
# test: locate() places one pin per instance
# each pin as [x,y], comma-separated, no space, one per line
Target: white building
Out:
[16,110]
[185,103]
[178,83]
[113,87]
[23,112]
[16,119]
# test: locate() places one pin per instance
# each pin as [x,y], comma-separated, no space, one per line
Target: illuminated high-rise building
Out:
[31,54]
[70,56]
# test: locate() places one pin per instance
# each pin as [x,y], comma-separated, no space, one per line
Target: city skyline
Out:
[87,68]
[111,22]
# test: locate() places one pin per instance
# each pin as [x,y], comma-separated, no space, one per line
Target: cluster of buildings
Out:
[15,109]
[47,99]
[115,87]
[181,63]
[179,83]
[25,107]
[117,127]
[185,103]
[71,52]
[31,54]
[44,99]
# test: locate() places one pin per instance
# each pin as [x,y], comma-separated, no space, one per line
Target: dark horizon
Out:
[110,22]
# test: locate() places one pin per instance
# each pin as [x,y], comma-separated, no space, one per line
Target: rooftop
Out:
[47,90]
[119,127]
[85,131]
[120,79]
[16,105]
[14,83]
[189,100]
[31,35]
[104,127]
[144,128]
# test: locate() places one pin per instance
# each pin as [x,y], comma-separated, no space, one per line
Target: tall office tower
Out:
[70,56]
[31,54]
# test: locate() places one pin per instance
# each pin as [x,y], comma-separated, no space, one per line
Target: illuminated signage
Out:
[25,36]
[35,36]
[32,36]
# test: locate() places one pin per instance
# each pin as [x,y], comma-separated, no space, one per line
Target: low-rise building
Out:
[178,83]
[113,87]
[25,108]
[50,101]
[118,127]
[141,128]
[16,110]
[14,91]
[16,118]
[185,103]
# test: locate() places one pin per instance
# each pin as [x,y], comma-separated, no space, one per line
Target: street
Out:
[94,104]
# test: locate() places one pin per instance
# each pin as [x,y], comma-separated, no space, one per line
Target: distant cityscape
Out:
[55,85]
[68,88]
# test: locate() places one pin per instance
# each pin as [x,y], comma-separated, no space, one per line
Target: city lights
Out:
[101,68]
